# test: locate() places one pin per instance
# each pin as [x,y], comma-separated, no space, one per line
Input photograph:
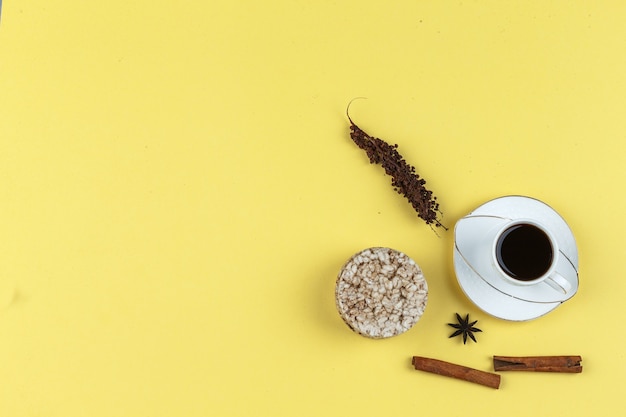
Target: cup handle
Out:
[559,283]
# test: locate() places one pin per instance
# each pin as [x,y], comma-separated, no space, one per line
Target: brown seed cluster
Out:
[405,180]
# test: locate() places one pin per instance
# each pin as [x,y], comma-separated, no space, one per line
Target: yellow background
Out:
[178,191]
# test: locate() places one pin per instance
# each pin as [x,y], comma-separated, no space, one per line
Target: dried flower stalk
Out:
[404,178]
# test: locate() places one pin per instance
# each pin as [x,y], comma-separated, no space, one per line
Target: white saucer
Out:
[508,301]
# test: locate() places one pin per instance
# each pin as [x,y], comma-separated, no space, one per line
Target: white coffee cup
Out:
[497,287]
[525,253]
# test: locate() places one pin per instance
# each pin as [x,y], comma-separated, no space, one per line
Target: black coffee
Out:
[524,252]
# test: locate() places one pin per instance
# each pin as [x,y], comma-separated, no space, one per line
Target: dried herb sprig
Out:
[404,178]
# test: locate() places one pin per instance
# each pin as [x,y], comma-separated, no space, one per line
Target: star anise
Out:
[464,327]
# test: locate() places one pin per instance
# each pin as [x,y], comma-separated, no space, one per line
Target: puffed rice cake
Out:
[380,293]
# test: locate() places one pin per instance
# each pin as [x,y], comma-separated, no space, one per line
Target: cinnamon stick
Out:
[452,370]
[568,364]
